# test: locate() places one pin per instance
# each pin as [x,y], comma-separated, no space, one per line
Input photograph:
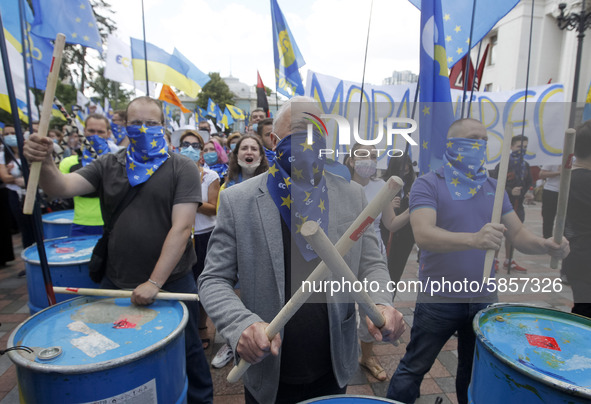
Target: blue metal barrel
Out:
[102,350]
[349,399]
[528,354]
[57,224]
[68,259]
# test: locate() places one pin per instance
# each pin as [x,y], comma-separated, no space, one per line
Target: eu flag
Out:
[39,50]
[74,18]
[434,97]
[457,19]
[288,58]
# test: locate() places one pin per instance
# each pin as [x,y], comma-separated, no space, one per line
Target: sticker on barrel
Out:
[542,341]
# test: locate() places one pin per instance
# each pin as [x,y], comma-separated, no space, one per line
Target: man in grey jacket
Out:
[254,241]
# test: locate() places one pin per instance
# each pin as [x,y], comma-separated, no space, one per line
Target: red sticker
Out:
[65,250]
[72,290]
[356,235]
[121,324]
[569,161]
[542,342]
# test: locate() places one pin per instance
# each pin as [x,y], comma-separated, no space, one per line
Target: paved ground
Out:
[439,382]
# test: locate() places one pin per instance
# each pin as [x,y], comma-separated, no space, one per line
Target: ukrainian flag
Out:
[587,110]
[162,68]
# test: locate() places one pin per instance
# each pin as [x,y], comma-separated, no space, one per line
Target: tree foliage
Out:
[105,88]
[217,90]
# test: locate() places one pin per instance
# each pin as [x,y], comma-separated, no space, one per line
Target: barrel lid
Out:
[59,217]
[63,250]
[349,399]
[95,333]
[549,345]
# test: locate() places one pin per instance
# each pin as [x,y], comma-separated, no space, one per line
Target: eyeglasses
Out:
[196,146]
[146,123]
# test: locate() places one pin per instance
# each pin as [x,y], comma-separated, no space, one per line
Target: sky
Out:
[235,36]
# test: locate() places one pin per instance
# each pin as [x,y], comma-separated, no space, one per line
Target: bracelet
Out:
[155,283]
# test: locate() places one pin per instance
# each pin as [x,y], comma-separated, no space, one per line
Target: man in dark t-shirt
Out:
[149,247]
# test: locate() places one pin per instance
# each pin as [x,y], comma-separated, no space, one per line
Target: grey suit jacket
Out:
[247,242]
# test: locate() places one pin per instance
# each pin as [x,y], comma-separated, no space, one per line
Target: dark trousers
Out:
[434,324]
[400,248]
[549,204]
[24,222]
[294,393]
[200,383]
[201,241]
[6,250]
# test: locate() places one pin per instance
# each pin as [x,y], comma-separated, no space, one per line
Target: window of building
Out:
[493,49]
[488,87]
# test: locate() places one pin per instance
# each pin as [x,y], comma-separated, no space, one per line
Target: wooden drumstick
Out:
[123,293]
[567,164]
[499,194]
[314,235]
[353,233]
[52,78]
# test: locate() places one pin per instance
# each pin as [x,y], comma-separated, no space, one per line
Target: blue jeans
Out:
[200,383]
[433,325]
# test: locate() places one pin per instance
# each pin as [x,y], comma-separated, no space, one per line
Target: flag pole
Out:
[414,110]
[37,226]
[468,59]
[145,50]
[474,78]
[21,13]
[364,65]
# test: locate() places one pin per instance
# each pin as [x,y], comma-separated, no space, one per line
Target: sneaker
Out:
[223,357]
[22,274]
[514,266]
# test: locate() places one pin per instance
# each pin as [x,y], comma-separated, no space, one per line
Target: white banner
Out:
[118,61]
[18,81]
[544,123]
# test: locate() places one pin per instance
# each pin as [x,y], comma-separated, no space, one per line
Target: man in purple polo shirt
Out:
[450,213]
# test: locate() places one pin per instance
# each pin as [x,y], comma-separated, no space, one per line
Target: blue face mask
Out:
[255,126]
[191,153]
[210,158]
[232,146]
[10,140]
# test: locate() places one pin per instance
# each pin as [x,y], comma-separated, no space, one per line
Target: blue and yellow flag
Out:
[193,73]
[162,68]
[236,112]
[288,58]
[587,109]
[219,115]
[436,113]
[227,119]
[40,50]
[211,108]
[73,18]
[200,114]
[457,18]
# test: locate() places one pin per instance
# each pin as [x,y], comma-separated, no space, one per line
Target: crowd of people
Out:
[221,215]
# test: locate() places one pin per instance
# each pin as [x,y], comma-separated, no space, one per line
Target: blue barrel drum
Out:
[91,350]
[528,354]
[349,399]
[57,224]
[68,259]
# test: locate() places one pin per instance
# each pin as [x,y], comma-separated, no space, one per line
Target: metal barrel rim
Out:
[19,360]
[529,372]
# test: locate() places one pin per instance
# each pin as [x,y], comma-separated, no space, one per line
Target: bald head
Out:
[467,128]
[292,116]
